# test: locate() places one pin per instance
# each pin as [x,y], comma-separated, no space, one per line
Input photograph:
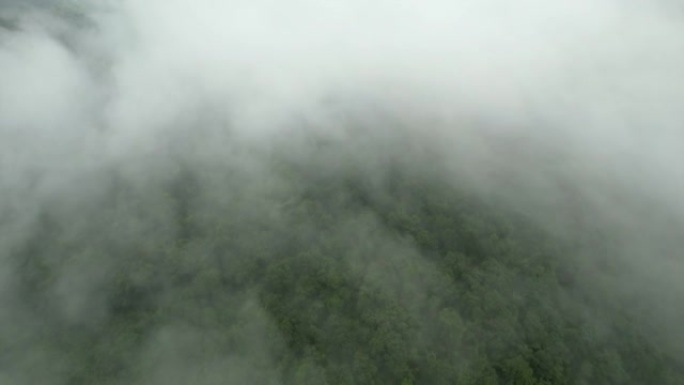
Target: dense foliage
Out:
[215,275]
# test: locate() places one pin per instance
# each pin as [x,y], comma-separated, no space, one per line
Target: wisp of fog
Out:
[157,151]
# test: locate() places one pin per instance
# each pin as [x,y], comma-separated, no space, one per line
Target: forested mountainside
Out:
[303,273]
[348,192]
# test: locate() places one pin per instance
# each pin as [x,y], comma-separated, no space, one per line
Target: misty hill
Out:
[203,192]
[307,272]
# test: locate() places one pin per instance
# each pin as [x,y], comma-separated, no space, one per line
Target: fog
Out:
[568,113]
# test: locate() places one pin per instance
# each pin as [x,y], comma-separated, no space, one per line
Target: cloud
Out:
[546,105]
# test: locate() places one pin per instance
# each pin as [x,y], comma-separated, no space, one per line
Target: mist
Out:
[175,162]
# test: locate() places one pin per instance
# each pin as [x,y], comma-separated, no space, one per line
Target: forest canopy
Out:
[311,274]
[341,192]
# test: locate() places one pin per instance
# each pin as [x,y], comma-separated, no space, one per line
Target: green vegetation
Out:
[307,277]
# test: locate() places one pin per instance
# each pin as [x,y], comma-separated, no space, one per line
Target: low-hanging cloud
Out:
[562,102]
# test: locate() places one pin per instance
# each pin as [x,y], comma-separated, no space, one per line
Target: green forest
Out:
[308,271]
[341,192]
